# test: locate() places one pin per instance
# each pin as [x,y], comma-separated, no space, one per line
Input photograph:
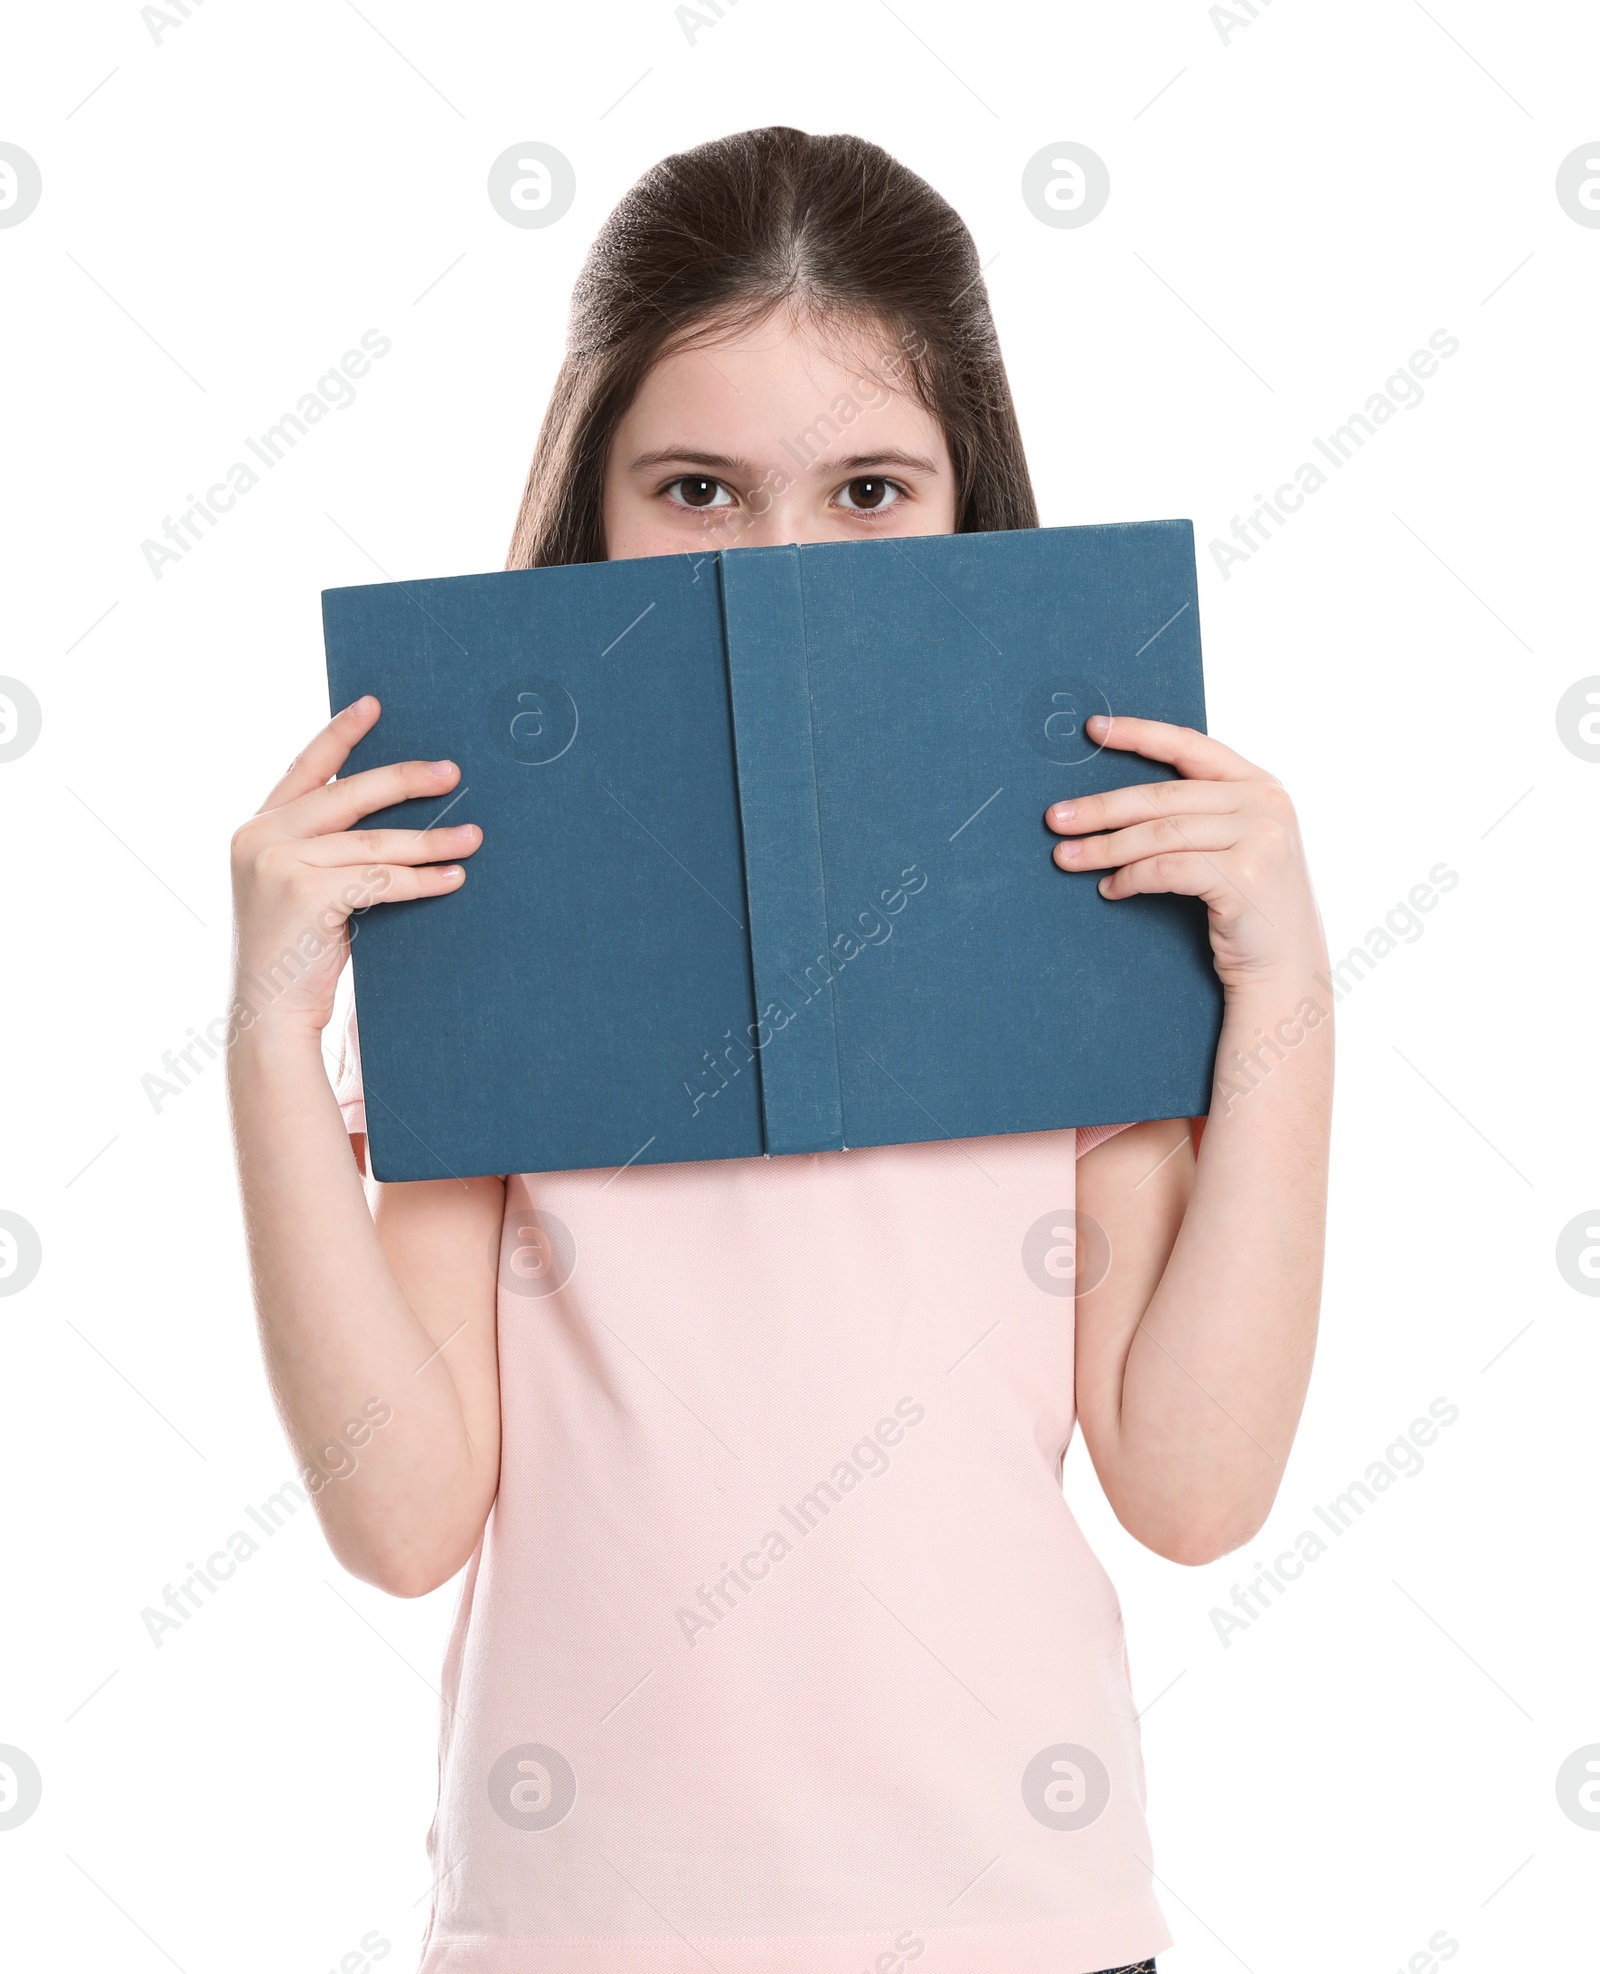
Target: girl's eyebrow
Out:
[857,461]
[685,456]
[719,462]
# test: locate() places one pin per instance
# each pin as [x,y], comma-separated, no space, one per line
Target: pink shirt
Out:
[782,1652]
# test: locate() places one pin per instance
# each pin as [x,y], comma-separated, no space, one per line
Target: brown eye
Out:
[696,491]
[869,495]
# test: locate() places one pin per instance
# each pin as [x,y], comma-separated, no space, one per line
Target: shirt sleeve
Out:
[342,1052]
[1096,1134]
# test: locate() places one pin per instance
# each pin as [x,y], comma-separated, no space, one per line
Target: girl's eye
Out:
[695,490]
[869,496]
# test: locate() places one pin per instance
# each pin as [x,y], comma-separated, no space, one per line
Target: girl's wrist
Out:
[1286,994]
[1301,971]
[275,1041]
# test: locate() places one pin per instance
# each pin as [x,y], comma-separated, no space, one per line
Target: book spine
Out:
[785,889]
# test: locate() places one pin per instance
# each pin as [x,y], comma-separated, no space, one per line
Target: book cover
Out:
[764,865]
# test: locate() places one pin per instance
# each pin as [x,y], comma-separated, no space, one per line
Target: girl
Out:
[778,1650]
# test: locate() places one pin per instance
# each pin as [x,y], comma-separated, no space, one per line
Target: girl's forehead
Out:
[777,371]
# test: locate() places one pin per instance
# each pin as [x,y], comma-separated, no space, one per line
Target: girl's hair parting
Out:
[711,240]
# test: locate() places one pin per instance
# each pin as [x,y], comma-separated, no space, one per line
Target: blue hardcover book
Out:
[764,865]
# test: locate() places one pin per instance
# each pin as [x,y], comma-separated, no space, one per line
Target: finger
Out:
[1150,839]
[325,755]
[391,846]
[1117,807]
[393,884]
[1188,873]
[342,804]
[1191,752]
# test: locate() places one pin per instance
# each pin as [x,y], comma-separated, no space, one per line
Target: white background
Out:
[1308,199]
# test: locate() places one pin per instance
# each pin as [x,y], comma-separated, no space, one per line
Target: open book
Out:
[764,865]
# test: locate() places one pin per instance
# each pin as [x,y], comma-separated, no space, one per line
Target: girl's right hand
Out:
[300,868]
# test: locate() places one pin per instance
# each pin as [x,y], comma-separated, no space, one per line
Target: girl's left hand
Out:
[1225,832]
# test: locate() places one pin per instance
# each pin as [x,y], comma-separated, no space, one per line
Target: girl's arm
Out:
[1194,1352]
[377,1326]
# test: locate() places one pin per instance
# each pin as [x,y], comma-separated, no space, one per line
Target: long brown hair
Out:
[710,240]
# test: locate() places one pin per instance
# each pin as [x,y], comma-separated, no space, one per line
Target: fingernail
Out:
[450,872]
[1068,849]
[464,832]
[442,768]
[1098,723]
[1063,812]
[1101,887]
